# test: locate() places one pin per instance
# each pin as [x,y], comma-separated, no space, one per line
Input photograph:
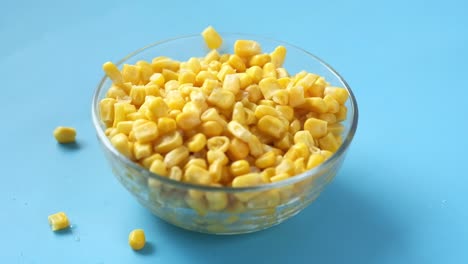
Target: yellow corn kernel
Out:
[65,135]
[146,132]
[212,128]
[280,97]
[239,131]
[202,76]
[212,39]
[112,72]
[163,63]
[238,149]
[136,239]
[296,96]
[299,166]
[152,90]
[240,167]
[58,221]
[316,127]
[116,93]
[286,166]
[278,56]
[259,60]
[125,127]
[131,73]
[237,63]
[225,70]
[166,125]
[268,86]
[294,126]
[213,155]
[188,120]
[199,205]
[222,98]
[196,143]
[159,167]
[271,126]
[141,151]
[329,143]
[168,142]
[298,150]
[245,80]
[269,70]
[191,107]
[256,73]
[220,143]
[266,160]
[120,142]
[328,117]
[232,83]
[279,177]
[217,201]
[306,79]
[254,93]
[196,174]
[187,76]
[194,65]
[247,48]
[157,79]
[282,74]
[224,58]
[284,82]
[119,113]
[332,105]
[146,70]
[315,104]
[341,115]
[238,113]
[249,117]
[337,129]
[174,100]
[314,160]
[213,55]
[214,66]
[196,162]
[156,107]
[285,111]
[176,156]
[339,94]
[146,162]
[250,179]
[136,116]
[216,170]
[106,110]
[170,75]
[255,146]
[284,143]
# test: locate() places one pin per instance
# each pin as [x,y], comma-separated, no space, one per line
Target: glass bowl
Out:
[248,209]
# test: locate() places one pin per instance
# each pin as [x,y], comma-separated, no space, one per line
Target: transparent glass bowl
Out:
[251,208]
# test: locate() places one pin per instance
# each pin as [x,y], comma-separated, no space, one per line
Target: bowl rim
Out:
[185,185]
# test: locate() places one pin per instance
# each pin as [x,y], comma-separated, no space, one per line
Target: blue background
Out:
[401,196]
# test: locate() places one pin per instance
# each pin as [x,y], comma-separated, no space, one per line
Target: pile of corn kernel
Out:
[224,119]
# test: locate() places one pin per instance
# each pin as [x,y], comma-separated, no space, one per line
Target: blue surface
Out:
[401,196]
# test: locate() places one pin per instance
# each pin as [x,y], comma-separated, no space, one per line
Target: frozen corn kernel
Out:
[232,83]
[220,143]
[259,60]
[269,86]
[212,128]
[266,160]
[58,221]
[217,201]
[188,120]
[272,126]
[212,39]
[316,127]
[256,73]
[158,167]
[278,56]
[222,98]
[65,135]
[112,72]
[141,151]
[314,160]
[247,48]
[176,156]
[146,132]
[168,142]
[196,143]
[329,142]
[269,70]
[136,239]
[339,94]
[240,167]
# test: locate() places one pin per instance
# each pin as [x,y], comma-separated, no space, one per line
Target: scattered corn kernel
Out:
[65,135]
[212,38]
[58,221]
[136,239]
